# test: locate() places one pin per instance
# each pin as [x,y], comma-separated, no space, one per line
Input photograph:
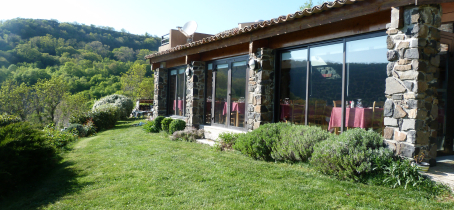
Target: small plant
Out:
[419,158]
[189,134]
[157,122]
[77,129]
[59,139]
[297,142]
[90,127]
[226,140]
[151,127]
[165,123]
[177,125]
[258,143]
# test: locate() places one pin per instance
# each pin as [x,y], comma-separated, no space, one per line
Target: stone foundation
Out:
[261,89]
[411,107]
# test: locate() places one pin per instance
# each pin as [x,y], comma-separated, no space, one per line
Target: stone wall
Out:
[195,94]
[411,107]
[261,89]
[160,92]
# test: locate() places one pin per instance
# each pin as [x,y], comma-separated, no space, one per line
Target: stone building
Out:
[384,65]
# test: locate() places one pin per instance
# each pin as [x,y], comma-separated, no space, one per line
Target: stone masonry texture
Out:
[412,70]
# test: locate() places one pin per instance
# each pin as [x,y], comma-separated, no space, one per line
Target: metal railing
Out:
[165,39]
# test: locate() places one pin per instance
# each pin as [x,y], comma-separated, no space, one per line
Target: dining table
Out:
[354,117]
[289,110]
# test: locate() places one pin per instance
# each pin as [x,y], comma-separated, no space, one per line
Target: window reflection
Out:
[220,105]
[177,97]
[293,86]
[237,106]
[325,86]
[366,73]
[172,91]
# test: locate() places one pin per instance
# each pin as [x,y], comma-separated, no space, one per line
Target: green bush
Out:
[59,139]
[297,142]
[177,125]
[8,119]
[226,140]
[157,122]
[123,103]
[78,129]
[188,134]
[150,127]
[351,155]
[259,142]
[104,117]
[165,123]
[90,127]
[24,155]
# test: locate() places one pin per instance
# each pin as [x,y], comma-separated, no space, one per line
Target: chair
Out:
[377,123]
[338,102]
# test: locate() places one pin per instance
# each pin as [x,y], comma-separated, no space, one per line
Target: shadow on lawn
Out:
[47,189]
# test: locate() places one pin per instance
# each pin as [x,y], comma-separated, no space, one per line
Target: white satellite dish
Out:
[188,29]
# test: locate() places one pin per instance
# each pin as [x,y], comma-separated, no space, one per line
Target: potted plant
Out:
[422,166]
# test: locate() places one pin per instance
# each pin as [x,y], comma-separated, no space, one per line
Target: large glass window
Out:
[364,84]
[177,92]
[220,106]
[237,105]
[325,82]
[365,71]
[293,86]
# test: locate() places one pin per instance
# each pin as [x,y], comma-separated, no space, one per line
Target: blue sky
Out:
[152,16]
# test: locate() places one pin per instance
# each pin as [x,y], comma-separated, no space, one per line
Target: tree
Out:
[124,54]
[15,99]
[51,93]
[134,83]
[309,4]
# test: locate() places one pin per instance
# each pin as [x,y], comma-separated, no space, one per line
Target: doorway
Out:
[229,93]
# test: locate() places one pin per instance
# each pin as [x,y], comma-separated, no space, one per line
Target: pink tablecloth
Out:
[236,107]
[180,104]
[286,110]
[354,117]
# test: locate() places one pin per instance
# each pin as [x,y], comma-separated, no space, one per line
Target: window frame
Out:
[308,47]
[169,100]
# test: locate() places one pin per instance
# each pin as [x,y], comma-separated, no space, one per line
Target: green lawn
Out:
[126,168]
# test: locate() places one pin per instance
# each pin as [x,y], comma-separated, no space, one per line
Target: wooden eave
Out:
[332,16]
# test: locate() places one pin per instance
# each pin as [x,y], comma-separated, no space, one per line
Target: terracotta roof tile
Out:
[258,26]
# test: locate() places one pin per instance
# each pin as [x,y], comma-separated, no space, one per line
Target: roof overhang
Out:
[328,13]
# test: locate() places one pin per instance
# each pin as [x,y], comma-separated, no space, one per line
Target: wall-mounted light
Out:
[188,71]
[252,64]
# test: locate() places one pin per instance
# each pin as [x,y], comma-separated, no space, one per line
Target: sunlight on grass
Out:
[128,168]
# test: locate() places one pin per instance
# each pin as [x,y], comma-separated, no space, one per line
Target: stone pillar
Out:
[160,92]
[195,93]
[261,89]
[411,107]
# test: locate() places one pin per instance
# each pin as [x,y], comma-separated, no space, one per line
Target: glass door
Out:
[221,94]
[228,104]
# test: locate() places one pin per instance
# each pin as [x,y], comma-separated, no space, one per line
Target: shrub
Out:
[177,125]
[24,155]
[188,134]
[8,119]
[58,139]
[351,155]
[226,140]
[151,127]
[104,117]
[297,142]
[259,142]
[165,123]
[78,129]
[123,103]
[90,127]
[157,122]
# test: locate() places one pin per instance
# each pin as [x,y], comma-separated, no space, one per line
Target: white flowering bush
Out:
[123,103]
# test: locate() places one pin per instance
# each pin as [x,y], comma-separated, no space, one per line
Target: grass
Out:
[126,168]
